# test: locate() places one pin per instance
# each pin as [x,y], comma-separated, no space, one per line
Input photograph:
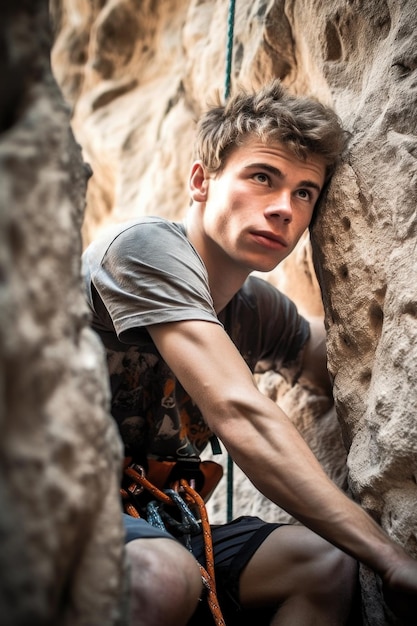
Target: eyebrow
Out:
[277,172]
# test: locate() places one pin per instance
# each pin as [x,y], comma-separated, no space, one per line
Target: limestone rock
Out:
[61,553]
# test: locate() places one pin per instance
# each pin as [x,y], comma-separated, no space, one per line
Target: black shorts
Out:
[234,544]
[138,528]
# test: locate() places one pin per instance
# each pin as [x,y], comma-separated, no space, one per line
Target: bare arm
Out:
[265,444]
[314,373]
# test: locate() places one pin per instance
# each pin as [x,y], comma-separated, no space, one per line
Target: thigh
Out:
[289,561]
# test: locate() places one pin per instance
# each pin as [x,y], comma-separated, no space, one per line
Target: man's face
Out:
[258,207]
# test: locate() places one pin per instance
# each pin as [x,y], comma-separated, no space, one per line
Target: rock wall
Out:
[365,245]
[61,560]
[136,74]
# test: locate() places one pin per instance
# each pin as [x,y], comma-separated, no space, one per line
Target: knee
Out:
[165,582]
[336,573]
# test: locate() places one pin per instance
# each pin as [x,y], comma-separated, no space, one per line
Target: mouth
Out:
[268,239]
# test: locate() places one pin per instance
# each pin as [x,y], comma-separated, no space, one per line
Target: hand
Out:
[400,592]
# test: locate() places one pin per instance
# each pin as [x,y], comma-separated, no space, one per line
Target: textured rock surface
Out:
[60,540]
[137,74]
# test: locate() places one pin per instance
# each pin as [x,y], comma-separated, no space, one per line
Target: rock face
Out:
[61,560]
[137,74]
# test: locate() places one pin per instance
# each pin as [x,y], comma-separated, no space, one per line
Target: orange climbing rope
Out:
[138,484]
[208,575]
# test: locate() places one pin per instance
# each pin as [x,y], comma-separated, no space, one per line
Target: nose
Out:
[280,207]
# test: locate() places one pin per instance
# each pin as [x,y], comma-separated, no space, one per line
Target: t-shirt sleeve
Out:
[150,274]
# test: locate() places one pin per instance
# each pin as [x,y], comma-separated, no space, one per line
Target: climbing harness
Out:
[181,510]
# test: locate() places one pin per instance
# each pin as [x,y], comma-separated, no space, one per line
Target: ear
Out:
[199,182]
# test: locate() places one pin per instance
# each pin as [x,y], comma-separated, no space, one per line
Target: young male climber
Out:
[185,326]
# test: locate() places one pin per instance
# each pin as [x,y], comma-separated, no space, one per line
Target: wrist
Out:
[390,558]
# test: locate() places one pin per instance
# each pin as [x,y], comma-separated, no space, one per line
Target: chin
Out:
[265,269]
[262,264]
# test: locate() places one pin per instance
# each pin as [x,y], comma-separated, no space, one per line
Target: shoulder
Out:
[146,231]
[263,306]
[275,312]
[144,236]
[256,292]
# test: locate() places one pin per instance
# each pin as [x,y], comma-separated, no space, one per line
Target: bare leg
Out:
[312,581]
[165,583]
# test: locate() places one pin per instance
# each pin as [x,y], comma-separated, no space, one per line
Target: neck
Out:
[225,277]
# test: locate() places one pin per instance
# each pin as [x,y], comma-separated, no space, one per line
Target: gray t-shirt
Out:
[147,272]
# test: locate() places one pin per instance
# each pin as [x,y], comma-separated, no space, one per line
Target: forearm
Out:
[272,453]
